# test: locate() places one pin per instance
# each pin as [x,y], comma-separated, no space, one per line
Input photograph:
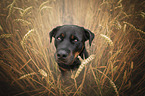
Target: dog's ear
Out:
[89,36]
[53,33]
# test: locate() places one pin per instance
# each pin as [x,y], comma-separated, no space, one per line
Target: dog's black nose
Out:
[62,54]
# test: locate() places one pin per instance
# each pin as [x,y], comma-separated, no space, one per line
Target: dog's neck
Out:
[73,66]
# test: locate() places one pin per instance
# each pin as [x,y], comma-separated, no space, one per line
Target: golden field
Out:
[27,64]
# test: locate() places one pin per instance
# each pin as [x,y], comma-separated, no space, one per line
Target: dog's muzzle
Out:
[63,56]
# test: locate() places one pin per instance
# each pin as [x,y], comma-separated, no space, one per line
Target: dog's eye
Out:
[59,38]
[75,40]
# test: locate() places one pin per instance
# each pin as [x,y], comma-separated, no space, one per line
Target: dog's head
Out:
[70,42]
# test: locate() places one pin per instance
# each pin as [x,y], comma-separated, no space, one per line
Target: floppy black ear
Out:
[89,36]
[53,33]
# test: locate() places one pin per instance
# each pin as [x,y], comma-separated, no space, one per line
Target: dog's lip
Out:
[61,61]
[66,62]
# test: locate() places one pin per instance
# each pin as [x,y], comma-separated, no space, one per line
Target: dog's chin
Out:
[65,62]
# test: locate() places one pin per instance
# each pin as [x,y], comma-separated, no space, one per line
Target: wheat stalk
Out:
[3,63]
[10,9]
[5,35]
[43,4]
[80,58]
[111,82]
[125,75]
[26,10]
[131,65]
[142,14]
[42,72]
[119,25]
[45,7]
[119,2]
[26,75]
[22,20]
[134,27]
[19,8]
[107,39]
[84,62]
[114,55]
[124,28]
[1,28]
[25,37]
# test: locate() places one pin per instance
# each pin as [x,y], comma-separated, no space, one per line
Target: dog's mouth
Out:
[62,61]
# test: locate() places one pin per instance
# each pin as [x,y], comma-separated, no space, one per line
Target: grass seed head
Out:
[23,21]
[5,35]
[107,39]
[25,38]
[26,11]
[26,75]
[43,73]
[84,62]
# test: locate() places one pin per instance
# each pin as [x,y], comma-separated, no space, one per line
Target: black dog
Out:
[69,43]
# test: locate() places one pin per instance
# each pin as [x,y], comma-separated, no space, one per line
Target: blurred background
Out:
[27,64]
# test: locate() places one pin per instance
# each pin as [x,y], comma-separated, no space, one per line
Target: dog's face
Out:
[70,42]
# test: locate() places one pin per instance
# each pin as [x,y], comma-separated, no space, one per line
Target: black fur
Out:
[69,43]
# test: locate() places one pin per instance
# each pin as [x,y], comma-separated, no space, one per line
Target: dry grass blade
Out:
[110,42]
[22,20]
[128,85]
[120,6]
[119,2]
[118,24]
[114,69]
[26,11]
[25,38]
[121,70]
[111,82]
[131,65]
[5,35]
[114,55]
[134,27]
[124,28]
[43,4]
[142,14]
[26,75]
[42,72]
[124,76]
[84,62]
[19,9]
[45,7]
[10,9]
[1,29]
[2,64]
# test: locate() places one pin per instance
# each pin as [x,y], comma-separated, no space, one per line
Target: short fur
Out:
[69,43]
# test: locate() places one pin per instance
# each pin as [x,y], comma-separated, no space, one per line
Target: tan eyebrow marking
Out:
[72,37]
[62,35]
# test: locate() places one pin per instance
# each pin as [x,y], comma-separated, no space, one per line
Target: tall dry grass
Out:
[27,57]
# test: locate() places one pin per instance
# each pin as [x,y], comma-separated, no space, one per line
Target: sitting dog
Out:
[70,43]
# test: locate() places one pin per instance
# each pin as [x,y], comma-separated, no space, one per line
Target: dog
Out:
[70,43]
